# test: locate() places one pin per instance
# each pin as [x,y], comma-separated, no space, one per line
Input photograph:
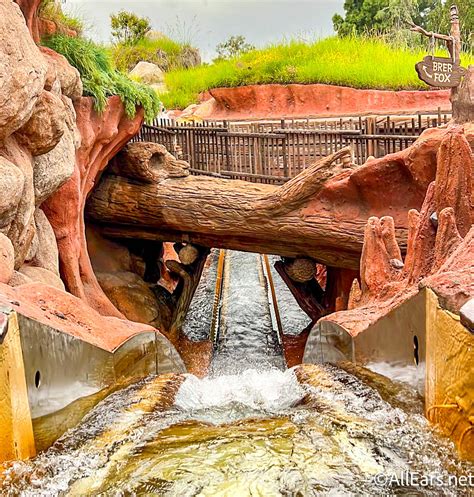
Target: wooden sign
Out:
[439,71]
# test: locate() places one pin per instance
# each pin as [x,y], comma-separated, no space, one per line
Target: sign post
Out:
[442,72]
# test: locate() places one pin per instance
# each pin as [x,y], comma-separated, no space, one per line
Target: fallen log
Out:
[320,214]
[223,213]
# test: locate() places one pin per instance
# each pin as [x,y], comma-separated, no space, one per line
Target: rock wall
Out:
[53,148]
[30,10]
[38,140]
[278,101]
[102,137]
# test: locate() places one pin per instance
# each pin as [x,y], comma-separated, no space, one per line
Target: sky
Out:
[205,23]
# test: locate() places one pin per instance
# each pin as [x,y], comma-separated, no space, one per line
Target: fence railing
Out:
[266,153]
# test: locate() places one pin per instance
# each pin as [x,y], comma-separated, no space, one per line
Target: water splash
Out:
[411,375]
[230,397]
[256,433]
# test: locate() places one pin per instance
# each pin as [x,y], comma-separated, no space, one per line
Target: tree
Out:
[438,20]
[234,46]
[128,28]
[362,16]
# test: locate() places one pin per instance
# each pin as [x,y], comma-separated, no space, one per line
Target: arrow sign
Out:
[439,71]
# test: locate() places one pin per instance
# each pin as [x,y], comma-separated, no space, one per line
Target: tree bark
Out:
[462,99]
[231,214]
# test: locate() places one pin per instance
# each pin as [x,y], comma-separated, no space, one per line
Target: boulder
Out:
[23,70]
[19,279]
[20,229]
[7,259]
[189,57]
[45,127]
[147,73]
[68,76]
[53,169]
[106,255]
[46,253]
[11,189]
[131,295]
[41,275]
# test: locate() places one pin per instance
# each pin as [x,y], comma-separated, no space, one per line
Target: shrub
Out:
[162,51]
[234,46]
[101,79]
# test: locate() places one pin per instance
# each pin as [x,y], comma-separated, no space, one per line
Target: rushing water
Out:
[251,428]
[256,433]
[246,336]
[197,324]
[293,319]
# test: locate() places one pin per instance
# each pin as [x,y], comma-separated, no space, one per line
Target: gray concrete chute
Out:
[65,374]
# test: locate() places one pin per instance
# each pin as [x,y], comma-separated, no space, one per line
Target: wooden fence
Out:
[267,153]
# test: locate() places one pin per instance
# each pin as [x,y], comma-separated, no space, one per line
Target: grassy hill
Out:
[354,62]
[162,51]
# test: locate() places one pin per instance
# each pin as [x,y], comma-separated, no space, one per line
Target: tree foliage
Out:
[362,16]
[365,16]
[128,28]
[438,20]
[234,46]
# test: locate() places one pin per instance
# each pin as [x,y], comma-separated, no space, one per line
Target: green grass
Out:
[101,79]
[50,10]
[164,52]
[354,62]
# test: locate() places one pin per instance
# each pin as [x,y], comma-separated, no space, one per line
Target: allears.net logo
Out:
[416,479]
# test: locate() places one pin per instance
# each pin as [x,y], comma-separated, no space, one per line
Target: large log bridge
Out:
[320,214]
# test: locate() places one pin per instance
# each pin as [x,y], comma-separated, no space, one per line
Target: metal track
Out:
[216,310]
[272,299]
[267,282]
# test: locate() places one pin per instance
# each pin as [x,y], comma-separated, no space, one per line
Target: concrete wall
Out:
[50,379]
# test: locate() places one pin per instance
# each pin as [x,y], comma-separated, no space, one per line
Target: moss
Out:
[101,79]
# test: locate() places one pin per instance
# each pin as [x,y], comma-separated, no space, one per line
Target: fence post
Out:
[285,156]
[372,148]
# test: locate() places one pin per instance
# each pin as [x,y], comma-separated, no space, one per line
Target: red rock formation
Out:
[69,314]
[440,248]
[102,137]
[277,101]
[38,26]
[30,11]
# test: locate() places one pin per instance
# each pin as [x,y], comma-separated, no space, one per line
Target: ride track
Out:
[218,329]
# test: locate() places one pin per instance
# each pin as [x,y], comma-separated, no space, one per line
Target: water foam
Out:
[250,392]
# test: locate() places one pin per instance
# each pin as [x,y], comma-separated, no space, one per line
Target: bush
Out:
[101,79]
[51,10]
[162,51]
[351,61]
[234,46]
